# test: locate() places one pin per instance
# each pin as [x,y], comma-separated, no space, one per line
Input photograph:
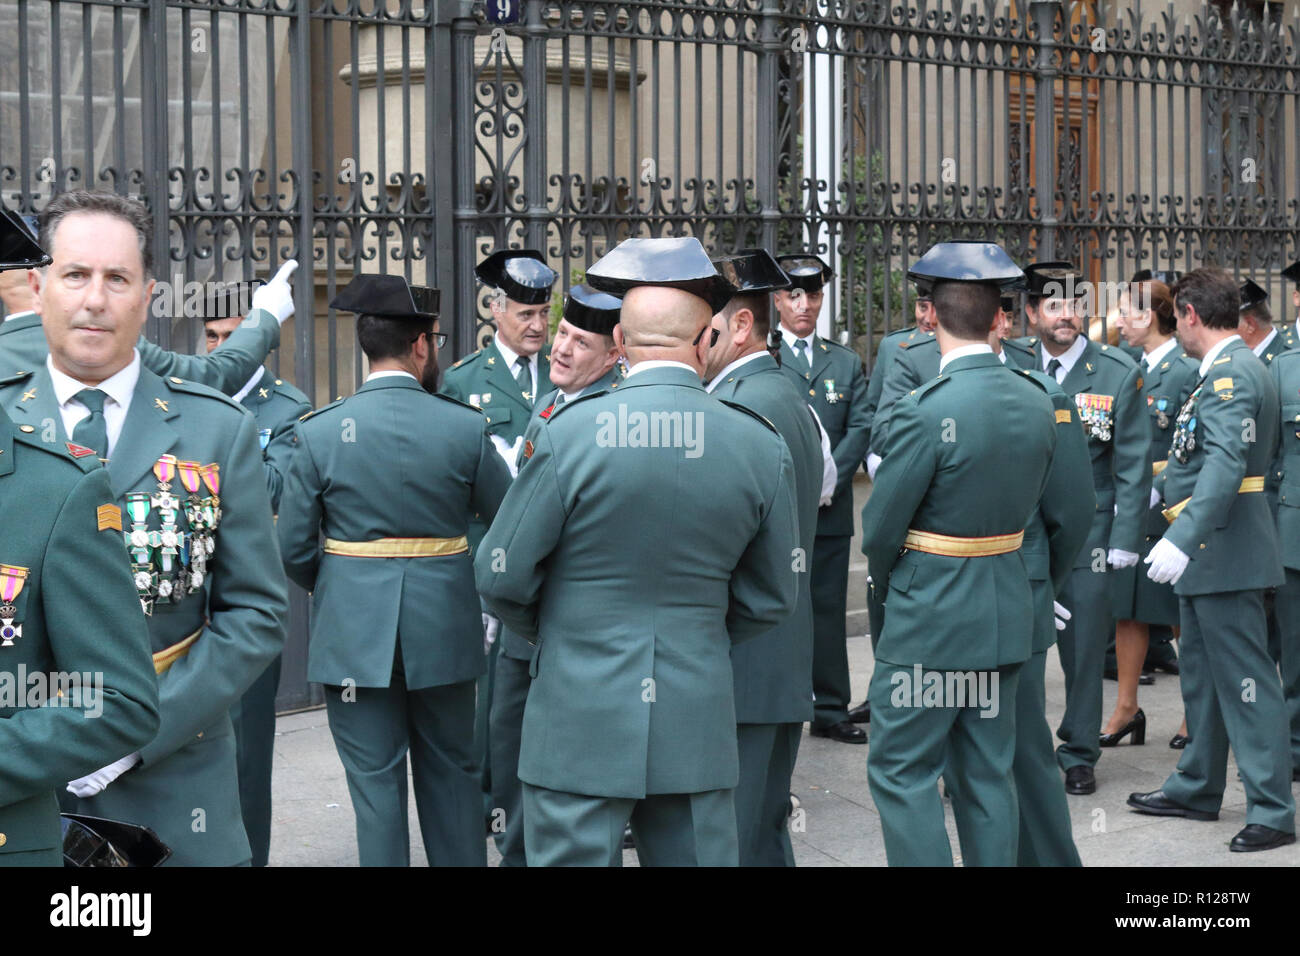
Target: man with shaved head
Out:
[631,712]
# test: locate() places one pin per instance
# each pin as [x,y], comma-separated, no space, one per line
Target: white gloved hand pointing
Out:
[276,296]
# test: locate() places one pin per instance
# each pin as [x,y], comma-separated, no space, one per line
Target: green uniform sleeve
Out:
[229,367]
[247,607]
[900,486]
[95,626]
[491,481]
[1131,461]
[278,452]
[764,586]
[900,378]
[1069,500]
[852,448]
[298,524]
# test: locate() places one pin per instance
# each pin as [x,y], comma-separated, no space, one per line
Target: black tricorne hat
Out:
[806,271]
[387,297]
[1252,293]
[522,274]
[1056,278]
[225,300]
[1292,272]
[674,263]
[592,311]
[752,270]
[965,260]
[18,248]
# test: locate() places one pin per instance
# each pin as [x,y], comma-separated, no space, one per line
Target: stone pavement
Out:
[313,823]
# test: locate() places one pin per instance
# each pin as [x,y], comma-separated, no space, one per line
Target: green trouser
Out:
[830,581]
[1232,697]
[254,720]
[767,756]
[1286,622]
[875,616]
[483,725]
[671,829]
[912,745]
[1046,838]
[1082,645]
[509,696]
[373,734]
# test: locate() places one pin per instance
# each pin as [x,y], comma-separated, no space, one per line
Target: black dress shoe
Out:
[1080,780]
[860,714]
[628,842]
[1137,727]
[1255,836]
[1146,678]
[1178,741]
[1158,805]
[1169,667]
[844,732]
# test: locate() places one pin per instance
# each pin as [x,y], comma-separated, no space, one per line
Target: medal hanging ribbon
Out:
[165,470]
[12,579]
[211,505]
[212,477]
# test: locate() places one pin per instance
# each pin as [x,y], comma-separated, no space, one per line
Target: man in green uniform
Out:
[1255,323]
[1285,489]
[832,378]
[958,622]
[1220,553]
[62,564]
[1106,387]
[505,379]
[583,361]
[183,462]
[276,406]
[1291,329]
[772,673]
[631,713]
[390,478]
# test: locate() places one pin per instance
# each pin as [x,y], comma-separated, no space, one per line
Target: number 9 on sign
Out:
[503,11]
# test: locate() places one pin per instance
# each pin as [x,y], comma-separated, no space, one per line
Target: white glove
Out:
[491,628]
[276,296]
[1167,563]
[873,462]
[1155,498]
[93,783]
[509,453]
[1117,558]
[1062,615]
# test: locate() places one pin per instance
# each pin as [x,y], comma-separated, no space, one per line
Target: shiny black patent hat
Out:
[387,297]
[592,311]
[807,272]
[1167,276]
[674,263]
[96,842]
[1292,272]
[1252,293]
[1056,278]
[521,273]
[18,248]
[752,270]
[226,300]
[965,260]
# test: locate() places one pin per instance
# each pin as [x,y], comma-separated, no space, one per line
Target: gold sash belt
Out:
[398,547]
[168,656]
[1158,466]
[1253,483]
[953,547]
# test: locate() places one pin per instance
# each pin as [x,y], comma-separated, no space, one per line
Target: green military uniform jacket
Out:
[237,607]
[836,388]
[23,348]
[914,361]
[484,380]
[945,612]
[391,461]
[1290,338]
[1232,419]
[1107,389]
[1285,473]
[78,613]
[635,569]
[885,351]
[276,405]
[512,645]
[773,672]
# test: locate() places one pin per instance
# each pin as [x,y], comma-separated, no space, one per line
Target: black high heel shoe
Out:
[1178,741]
[1137,727]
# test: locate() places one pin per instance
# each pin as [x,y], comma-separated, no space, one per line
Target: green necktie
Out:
[559,400]
[802,351]
[92,431]
[524,379]
[1053,366]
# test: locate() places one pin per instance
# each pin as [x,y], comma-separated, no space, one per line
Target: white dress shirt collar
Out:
[1214,353]
[388,373]
[982,348]
[722,376]
[1259,349]
[659,363]
[119,387]
[1150,359]
[19,315]
[790,338]
[1068,359]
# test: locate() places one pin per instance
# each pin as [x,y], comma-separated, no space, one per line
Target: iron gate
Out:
[415,135]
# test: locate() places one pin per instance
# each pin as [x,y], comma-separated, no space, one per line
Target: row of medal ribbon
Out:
[169,562]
